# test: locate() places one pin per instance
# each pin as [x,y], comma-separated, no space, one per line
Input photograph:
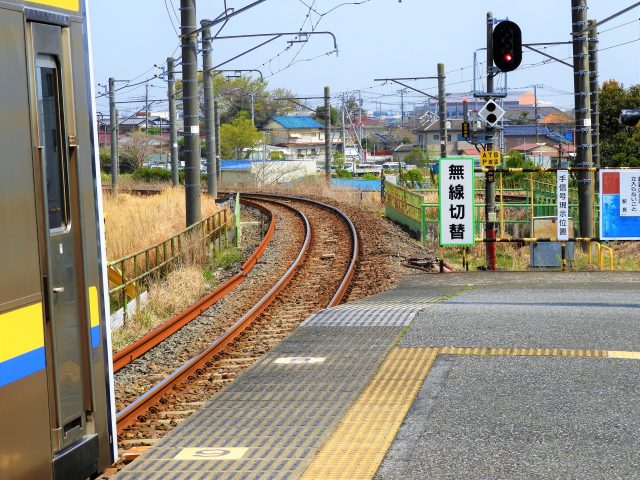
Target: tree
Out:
[320,115]
[620,145]
[417,157]
[238,135]
[412,177]
[134,150]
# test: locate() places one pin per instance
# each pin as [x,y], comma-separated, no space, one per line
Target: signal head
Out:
[507,46]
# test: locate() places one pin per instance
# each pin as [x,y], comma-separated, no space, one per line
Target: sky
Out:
[376,39]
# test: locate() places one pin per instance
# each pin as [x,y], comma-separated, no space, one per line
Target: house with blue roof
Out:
[515,135]
[300,136]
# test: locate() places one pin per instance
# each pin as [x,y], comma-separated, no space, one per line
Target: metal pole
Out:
[343,133]
[173,129]
[209,113]
[582,114]
[146,108]
[191,110]
[113,128]
[327,135]
[402,107]
[253,111]
[442,110]
[216,111]
[593,85]
[489,189]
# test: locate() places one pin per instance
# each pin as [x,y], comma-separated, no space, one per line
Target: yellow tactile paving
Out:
[627,355]
[358,446]
[360,442]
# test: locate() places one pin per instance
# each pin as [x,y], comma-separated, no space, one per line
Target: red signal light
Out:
[508,57]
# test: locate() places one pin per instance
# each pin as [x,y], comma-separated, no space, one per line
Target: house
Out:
[301,136]
[544,155]
[532,134]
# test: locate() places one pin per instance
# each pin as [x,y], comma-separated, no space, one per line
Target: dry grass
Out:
[178,290]
[133,223]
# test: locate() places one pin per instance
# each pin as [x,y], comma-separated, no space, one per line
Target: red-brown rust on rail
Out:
[130,414]
[168,328]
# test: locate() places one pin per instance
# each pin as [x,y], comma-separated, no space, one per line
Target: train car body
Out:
[56,401]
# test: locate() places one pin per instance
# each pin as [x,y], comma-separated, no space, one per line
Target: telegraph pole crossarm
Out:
[397,80]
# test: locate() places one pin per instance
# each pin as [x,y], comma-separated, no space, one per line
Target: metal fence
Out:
[518,199]
[130,275]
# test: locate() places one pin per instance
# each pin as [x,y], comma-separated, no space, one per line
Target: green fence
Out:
[130,275]
[518,201]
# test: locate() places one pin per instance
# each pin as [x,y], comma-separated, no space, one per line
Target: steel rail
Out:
[138,407]
[168,328]
[128,415]
[355,245]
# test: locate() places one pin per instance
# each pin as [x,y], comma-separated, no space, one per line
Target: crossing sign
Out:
[490,158]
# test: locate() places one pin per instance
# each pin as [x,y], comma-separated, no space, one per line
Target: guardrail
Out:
[136,269]
[600,249]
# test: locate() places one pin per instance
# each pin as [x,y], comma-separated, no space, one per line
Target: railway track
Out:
[313,254]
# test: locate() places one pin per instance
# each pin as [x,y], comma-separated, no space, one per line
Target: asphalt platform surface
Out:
[491,417]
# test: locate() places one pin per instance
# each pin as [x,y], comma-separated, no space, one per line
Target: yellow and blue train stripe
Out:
[22,339]
[21,343]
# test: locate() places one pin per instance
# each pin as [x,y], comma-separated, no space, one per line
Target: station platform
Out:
[475,375]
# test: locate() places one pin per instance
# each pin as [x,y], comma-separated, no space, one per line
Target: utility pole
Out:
[327,135]
[489,189]
[535,111]
[593,86]
[582,114]
[402,107]
[209,113]
[343,133]
[216,111]
[191,110]
[146,108]
[253,111]
[442,108]
[360,127]
[173,129]
[113,128]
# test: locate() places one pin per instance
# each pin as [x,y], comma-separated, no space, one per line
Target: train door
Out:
[66,332]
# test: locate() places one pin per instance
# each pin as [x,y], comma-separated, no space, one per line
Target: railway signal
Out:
[491,113]
[630,117]
[507,46]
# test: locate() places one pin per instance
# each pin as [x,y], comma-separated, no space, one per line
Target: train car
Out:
[56,395]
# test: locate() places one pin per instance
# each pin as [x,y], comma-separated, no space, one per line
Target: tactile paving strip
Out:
[357,447]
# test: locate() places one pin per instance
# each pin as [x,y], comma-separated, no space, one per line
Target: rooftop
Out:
[297,122]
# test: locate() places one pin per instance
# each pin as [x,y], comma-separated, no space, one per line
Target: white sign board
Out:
[629,206]
[457,199]
[563,205]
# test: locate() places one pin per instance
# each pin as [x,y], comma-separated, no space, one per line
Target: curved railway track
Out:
[313,251]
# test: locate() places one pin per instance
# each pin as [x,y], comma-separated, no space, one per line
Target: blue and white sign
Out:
[619,215]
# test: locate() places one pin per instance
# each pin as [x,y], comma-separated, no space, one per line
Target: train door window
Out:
[52,135]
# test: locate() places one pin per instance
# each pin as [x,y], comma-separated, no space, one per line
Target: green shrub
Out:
[151,175]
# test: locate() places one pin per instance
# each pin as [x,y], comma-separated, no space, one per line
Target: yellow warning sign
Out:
[490,158]
[216,453]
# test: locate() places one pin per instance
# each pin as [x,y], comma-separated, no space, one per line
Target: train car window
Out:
[52,139]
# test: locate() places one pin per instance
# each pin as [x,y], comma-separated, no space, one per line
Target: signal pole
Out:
[191,110]
[113,128]
[327,135]
[489,186]
[209,113]
[173,130]
[583,114]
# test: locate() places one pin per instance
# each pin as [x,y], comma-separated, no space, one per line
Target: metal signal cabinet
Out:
[56,395]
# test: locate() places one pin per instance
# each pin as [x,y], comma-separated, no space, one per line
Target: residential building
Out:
[301,136]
